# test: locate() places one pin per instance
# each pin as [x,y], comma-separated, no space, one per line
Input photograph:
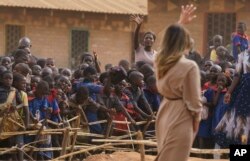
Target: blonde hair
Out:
[176,39]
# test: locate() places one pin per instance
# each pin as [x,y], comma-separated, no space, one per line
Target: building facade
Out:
[213,17]
[63,33]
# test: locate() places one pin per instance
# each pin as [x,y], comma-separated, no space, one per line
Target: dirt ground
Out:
[132,156]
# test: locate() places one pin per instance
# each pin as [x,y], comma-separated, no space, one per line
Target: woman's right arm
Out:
[138,20]
[236,79]
[187,14]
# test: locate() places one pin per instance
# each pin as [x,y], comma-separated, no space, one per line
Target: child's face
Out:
[208,65]
[66,73]
[50,63]
[217,42]
[220,52]
[229,72]
[36,70]
[241,28]
[119,88]
[60,96]
[6,62]
[88,60]
[92,77]
[35,81]
[21,85]
[148,40]
[139,81]
[7,79]
[213,73]
[221,81]
[22,59]
[203,79]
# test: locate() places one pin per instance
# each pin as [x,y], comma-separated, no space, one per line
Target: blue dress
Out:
[219,111]
[235,122]
[205,128]
[241,41]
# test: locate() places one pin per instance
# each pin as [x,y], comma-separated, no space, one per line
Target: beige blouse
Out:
[182,81]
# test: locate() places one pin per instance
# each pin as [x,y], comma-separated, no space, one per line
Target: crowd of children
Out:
[223,83]
[34,90]
[39,91]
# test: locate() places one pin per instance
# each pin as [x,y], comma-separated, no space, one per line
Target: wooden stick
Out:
[72,119]
[34,132]
[141,146]
[45,149]
[53,123]
[146,127]
[16,123]
[146,142]
[81,151]
[74,138]
[65,141]
[129,132]
[108,128]
[97,122]
[210,151]
[124,136]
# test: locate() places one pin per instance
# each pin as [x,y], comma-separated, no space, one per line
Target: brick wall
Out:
[49,31]
[110,35]
[165,12]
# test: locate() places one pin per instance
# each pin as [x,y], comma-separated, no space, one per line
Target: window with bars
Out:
[12,34]
[79,44]
[223,24]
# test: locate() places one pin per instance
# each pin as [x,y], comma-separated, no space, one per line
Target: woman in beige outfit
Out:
[178,80]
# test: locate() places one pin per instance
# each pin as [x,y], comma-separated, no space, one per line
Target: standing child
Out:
[136,94]
[19,82]
[212,76]
[8,102]
[90,76]
[151,93]
[217,41]
[39,110]
[239,40]
[6,62]
[204,139]
[218,99]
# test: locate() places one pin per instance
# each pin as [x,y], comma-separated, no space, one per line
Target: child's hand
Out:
[112,111]
[137,19]
[187,14]
[133,122]
[95,55]
[50,110]
[220,88]
[227,98]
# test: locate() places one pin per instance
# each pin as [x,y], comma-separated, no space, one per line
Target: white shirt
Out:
[243,63]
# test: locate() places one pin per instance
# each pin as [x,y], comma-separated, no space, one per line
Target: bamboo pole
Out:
[141,146]
[65,141]
[146,142]
[124,136]
[80,151]
[74,138]
[98,122]
[34,132]
[16,123]
[72,119]
[108,128]
[210,151]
